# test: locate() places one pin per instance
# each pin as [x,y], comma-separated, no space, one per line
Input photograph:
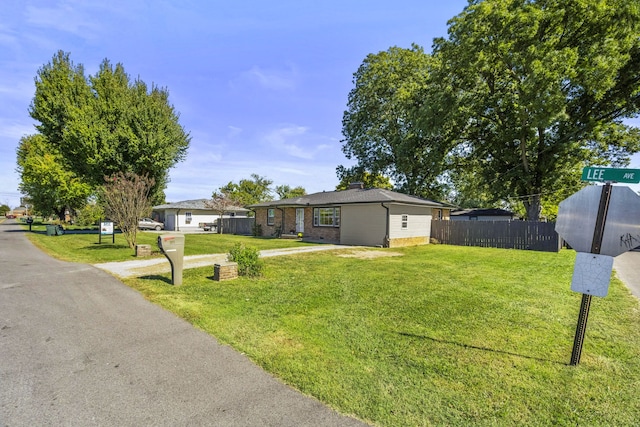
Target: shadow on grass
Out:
[156,277]
[474,347]
[97,246]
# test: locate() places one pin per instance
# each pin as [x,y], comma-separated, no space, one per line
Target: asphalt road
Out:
[79,348]
[627,268]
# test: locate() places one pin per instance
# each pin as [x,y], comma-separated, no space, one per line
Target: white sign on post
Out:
[592,274]
[106,228]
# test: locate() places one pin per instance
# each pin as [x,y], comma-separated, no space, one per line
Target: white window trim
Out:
[335,217]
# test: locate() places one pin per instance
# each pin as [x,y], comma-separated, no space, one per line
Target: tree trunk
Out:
[533,207]
[60,214]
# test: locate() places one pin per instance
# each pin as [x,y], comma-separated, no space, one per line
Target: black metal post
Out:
[596,244]
[580,329]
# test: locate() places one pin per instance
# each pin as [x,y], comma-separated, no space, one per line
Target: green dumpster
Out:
[51,230]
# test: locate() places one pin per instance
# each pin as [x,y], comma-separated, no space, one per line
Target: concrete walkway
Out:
[79,348]
[143,266]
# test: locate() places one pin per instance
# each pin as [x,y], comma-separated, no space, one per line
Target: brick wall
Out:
[323,234]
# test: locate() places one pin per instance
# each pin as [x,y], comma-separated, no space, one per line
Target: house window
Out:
[405,222]
[187,217]
[326,217]
[271,216]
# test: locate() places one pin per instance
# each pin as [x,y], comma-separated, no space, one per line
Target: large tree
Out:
[287,192]
[51,187]
[544,87]
[249,191]
[107,123]
[349,176]
[398,122]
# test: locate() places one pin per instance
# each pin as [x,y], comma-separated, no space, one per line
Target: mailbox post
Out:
[172,246]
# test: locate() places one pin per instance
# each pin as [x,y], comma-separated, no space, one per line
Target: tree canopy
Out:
[519,97]
[544,86]
[286,192]
[52,188]
[349,176]
[107,123]
[394,125]
[249,191]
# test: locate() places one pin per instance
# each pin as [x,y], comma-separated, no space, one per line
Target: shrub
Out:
[248,260]
[256,230]
[90,214]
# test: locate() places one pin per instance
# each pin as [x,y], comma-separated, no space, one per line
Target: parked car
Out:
[149,224]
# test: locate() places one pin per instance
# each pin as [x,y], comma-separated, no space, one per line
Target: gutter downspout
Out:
[385,244]
[281,221]
[255,223]
[177,219]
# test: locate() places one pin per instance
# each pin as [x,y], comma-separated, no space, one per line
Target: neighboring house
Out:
[482,215]
[357,216]
[191,214]
[19,211]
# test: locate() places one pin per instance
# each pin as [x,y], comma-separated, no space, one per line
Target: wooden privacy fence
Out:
[536,236]
[242,226]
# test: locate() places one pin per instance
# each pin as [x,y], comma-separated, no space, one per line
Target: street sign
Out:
[628,176]
[600,222]
[577,220]
[592,274]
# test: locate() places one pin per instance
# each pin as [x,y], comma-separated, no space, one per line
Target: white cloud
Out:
[21,90]
[267,78]
[295,141]
[14,130]
[66,17]
[233,131]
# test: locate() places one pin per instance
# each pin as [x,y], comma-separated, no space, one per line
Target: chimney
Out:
[356,185]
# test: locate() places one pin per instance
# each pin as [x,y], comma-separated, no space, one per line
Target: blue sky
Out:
[261,86]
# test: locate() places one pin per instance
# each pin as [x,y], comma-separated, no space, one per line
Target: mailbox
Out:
[172,246]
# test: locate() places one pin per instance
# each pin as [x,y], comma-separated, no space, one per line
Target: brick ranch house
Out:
[357,216]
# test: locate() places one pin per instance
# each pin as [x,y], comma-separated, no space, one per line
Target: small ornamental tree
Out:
[221,203]
[126,200]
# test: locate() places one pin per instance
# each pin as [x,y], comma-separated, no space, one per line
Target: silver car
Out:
[149,224]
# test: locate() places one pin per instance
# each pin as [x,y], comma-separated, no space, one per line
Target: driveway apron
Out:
[79,348]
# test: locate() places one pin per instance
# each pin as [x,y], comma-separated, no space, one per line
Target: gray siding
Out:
[364,225]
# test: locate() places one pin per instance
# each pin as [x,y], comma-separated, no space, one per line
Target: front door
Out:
[299,220]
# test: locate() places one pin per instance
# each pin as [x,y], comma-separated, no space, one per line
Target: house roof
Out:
[351,196]
[481,212]
[195,204]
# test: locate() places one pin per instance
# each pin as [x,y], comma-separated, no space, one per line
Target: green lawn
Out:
[441,335]
[85,247]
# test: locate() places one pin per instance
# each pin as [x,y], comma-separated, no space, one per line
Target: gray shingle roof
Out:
[194,204]
[345,197]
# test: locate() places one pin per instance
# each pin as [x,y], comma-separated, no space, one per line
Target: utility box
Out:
[172,246]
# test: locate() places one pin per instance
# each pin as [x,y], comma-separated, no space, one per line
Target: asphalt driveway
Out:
[79,348]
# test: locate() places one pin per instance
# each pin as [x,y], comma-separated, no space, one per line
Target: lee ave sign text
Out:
[629,176]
